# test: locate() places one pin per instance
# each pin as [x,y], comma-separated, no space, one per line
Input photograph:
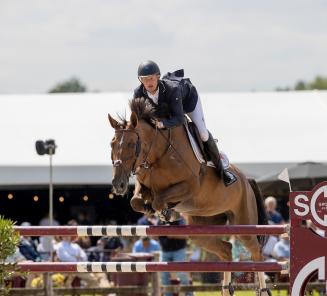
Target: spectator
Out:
[240,253]
[274,217]
[105,249]
[68,251]
[27,247]
[47,243]
[146,245]
[281,249]
[83,241]
[173,250]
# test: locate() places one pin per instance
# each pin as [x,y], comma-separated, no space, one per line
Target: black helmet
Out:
[148,68]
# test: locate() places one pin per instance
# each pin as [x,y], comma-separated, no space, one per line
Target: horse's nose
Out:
[119,186]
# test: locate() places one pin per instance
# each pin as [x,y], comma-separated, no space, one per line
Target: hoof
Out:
[165,215]
[265,292]
[230,289]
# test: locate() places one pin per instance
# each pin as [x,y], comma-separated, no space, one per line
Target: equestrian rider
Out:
[168,93]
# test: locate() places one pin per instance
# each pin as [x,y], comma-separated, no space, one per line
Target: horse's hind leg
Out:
[217,246]
[223,250]
[253,246]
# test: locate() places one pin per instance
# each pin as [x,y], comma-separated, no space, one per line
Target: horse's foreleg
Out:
[173,194]
[141,201]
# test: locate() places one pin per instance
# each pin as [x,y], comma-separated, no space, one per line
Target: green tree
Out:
[9,239]
[72,85]
[319,82]
[301,85]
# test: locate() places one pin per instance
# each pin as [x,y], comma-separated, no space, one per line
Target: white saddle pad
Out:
[198,154]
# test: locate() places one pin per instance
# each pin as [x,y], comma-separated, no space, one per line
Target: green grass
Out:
[250,293]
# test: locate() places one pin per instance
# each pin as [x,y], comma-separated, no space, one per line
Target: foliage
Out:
[9,240]
[72,85]
[320,83]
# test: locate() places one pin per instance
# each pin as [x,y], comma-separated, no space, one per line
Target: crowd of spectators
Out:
[79,249]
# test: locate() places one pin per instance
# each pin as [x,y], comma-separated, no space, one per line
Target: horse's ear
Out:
[113,122]
[134,119]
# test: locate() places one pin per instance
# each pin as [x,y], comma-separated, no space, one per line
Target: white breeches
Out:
[198,118]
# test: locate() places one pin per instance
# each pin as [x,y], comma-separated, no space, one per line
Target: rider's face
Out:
[150,82]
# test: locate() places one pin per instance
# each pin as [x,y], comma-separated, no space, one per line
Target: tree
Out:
[72,85]
[9,240]
[320,82]
[301,85]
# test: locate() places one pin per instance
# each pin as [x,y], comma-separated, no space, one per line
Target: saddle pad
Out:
[198,154]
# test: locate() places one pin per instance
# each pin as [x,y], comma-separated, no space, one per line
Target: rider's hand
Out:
[157,123]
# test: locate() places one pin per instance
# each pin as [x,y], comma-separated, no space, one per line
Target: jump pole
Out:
[128,230]
[154,267]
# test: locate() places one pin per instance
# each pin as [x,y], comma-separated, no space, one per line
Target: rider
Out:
[168,93]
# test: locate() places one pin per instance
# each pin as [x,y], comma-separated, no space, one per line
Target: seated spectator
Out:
[268,248]
[47,243]
[83,241]
[146,245]
[281,249]
[68,251]
[274,217]
[240,253]
[105,249]
[27,247]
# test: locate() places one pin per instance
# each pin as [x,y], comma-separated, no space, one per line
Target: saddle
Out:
[200,153]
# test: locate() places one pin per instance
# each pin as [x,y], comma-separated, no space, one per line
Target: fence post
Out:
[47,283]
[156,278]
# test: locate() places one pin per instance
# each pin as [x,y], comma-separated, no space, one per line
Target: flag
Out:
[285,177]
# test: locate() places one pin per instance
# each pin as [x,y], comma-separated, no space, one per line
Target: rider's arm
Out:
[176,110]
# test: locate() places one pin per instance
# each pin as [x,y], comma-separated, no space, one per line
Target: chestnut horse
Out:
[169,176]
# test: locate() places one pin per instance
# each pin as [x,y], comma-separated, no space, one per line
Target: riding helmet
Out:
[148,68]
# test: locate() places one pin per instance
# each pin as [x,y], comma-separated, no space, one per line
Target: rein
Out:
[145,164]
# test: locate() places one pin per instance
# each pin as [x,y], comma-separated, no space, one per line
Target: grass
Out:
[250,293]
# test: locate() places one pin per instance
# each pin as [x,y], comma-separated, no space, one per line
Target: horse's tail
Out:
[262,216]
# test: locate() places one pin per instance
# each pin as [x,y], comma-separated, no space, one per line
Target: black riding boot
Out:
[213,152]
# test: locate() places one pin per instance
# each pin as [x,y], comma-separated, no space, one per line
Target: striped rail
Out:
[185,230]
[154,267]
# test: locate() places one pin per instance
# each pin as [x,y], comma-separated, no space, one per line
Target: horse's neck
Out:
[174,139]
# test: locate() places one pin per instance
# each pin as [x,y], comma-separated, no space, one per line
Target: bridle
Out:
[144,163]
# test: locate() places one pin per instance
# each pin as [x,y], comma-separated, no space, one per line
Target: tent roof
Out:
[251,127]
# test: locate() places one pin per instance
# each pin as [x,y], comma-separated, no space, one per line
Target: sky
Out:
[222,45]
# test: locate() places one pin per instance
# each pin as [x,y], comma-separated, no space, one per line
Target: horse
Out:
[170,176]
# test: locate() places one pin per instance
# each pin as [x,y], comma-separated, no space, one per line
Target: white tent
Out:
[254,127]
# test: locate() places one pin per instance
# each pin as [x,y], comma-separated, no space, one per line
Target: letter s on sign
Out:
[303,205]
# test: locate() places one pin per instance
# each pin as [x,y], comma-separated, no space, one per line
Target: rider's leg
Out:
[209,143]
[198,118]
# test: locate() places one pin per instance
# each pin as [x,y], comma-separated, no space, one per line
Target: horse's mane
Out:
[143,109]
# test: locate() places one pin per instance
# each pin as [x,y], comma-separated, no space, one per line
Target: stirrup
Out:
[230,288]
[265,290]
